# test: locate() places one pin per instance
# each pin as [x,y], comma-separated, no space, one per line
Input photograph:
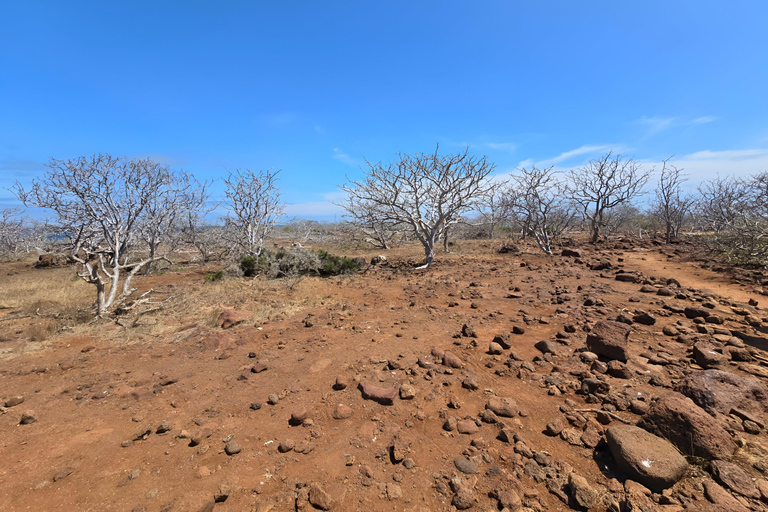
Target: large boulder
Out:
[609,339]
[688,426]
[644,457]
[706,355]
[717,391]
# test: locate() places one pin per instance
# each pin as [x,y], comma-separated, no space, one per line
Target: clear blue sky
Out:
[314,87]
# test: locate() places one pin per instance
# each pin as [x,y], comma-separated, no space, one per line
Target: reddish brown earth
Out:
[95,392]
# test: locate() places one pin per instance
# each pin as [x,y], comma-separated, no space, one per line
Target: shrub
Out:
[296,262]
[215,276]
[331,265]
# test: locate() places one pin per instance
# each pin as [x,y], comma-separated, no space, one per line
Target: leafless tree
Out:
[11,230]
[537,196]
[164,215]
[670,206]
[735,213]
[366,218]
[101,204]
[253,200]
[427,192]
[493,206]
[603,184]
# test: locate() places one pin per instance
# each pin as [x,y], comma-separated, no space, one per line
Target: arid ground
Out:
[470,386]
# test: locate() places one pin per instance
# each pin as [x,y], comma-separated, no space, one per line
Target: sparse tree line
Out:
[117,216]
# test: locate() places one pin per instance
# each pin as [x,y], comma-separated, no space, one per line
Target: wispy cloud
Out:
[567,155]
[657,124]
[707,164]
[509,147]
[703,120]
[345,158]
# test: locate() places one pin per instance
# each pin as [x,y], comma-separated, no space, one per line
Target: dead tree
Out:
[365,218]
[427,192]
[493,207]
[164,214]
[537,197]
[735,213]
[253,200]
[670,206]
[101,206]
[603,184]
[11,230]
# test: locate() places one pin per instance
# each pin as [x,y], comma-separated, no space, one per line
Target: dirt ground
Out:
[140,416]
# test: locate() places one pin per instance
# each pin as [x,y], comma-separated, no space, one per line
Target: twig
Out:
[612,415]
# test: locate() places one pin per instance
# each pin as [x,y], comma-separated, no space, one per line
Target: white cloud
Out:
[705,165]
[345,158]
[655,124]
[583,150]
[510,147]
[703,120]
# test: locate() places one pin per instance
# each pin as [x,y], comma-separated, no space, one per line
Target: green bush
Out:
[215,276]
[295,262]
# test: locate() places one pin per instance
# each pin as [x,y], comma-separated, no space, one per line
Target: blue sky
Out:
[314,88]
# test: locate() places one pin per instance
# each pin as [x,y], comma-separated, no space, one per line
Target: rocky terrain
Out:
[617,378]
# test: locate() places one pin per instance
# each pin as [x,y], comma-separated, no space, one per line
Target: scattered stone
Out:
[504,407]
[342,412]
[503,340]
[273,399]
[495,349]
[644,318]
[319,498]
[232,317]
[452,360]
[468,331]
[465,465]
[384,396]
[28,417]
[286,445]
[696,312]
[407,392]
[547,347]
[644,457]
[341,383]
[583,496]
[232,448]
[554,427]
[14,401]
[609,339]
[298,416]
[734,478]
[467,427]
[518,329]
[706,356]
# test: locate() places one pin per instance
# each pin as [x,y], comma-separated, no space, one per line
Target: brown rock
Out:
[644,457]
[504,407]
[342,412]
[232,448]
[319,498]
[14,401]
[687,426]
[341,383]
[231,317]
[452,360]
[734,478]
[28,417]
[467,427]
[720,391]
[609,339]
[384,396]
[298,416]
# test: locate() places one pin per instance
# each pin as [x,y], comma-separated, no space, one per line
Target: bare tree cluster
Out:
[115,213]
[427,192]
[254,207]
[670,205]
[603,184]
[537,197]
[734,214]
